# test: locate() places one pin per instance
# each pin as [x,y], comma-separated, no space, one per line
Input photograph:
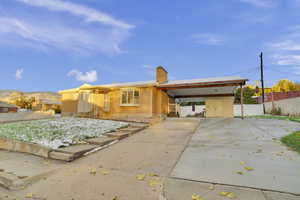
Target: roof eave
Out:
[212,83]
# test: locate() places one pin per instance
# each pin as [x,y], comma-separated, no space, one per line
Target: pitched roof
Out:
[138,83]
[7,105]
[203,81]
[50,101]
[125,84]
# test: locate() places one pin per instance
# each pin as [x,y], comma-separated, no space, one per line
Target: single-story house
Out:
[150,100]
[46,105]
[6,107]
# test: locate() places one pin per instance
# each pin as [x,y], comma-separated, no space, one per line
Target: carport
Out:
[218,93]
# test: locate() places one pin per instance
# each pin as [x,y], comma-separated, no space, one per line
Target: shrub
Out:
[276,111]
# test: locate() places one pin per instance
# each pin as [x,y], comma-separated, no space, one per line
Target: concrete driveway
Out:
[152,152]
[221,149]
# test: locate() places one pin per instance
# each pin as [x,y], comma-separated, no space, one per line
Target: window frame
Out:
[133,93]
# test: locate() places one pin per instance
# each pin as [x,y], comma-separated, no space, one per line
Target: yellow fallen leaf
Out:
[115,198]
[154,182]
[104,172]
[140,177]
[242,163]
[224,193]
[152,174]
[231,195]
[248,168]
[93,171]
[240,173]
[29,195]
[196,197]
[211,187]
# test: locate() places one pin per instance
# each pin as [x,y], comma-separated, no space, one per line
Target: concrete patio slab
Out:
[20,169]
[222,148]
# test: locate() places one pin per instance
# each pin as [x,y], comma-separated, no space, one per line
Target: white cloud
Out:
[208,39]
[19,74]
[89,77]
[287,60]
[297,70]
[149,70]
[90,14]
[286,50]
[289,45]
[17,32]
[148,66]
[297,2]
[260,3]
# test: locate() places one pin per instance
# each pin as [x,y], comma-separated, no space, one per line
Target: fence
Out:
[289,106]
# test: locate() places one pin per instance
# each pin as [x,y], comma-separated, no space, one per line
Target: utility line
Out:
[249,70]
[281,71]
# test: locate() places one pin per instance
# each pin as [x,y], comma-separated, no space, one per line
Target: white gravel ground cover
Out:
[54,133]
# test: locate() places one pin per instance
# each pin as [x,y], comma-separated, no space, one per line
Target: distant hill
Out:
[9,95]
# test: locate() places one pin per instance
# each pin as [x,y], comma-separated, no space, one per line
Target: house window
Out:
[130,97]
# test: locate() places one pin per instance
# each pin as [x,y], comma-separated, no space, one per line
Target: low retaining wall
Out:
[288,106]
[72,152]
[24,147]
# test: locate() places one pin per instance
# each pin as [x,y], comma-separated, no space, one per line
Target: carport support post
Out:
[242,102]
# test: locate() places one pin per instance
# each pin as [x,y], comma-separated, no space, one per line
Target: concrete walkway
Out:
[111,173]
[220,151]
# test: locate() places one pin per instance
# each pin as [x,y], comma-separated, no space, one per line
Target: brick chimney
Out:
[161,75]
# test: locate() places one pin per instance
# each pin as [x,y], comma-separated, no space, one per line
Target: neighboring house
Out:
[46,105]
[150,100]
[6,107]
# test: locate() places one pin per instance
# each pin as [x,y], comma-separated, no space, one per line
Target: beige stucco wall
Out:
[143,110]
[69,103]
[160,103]
[219,106]
[153,103]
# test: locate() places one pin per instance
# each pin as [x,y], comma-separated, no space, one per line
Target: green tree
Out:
[248,93]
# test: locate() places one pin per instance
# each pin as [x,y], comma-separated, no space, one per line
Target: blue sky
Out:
[49,45]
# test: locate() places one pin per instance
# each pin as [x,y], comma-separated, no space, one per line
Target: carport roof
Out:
[197,89]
